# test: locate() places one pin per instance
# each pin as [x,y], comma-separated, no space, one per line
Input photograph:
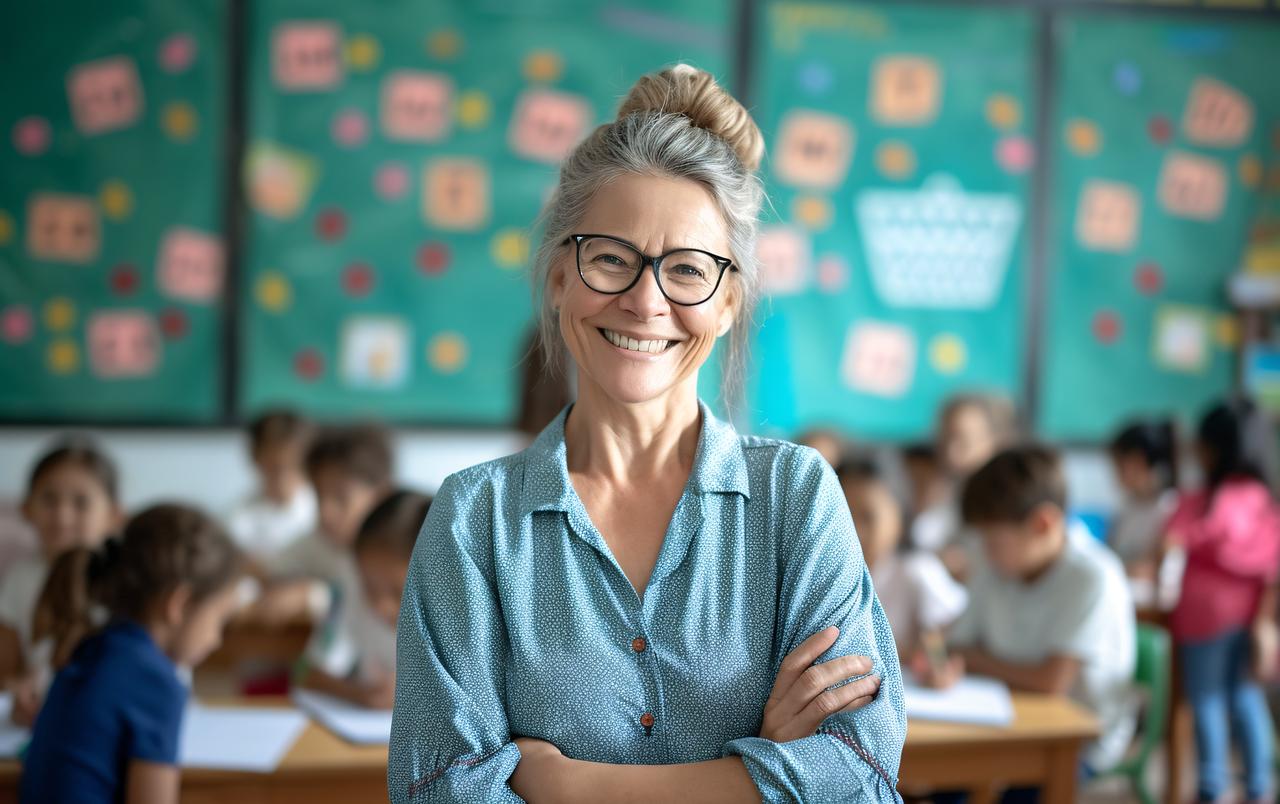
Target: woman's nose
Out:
[645,299]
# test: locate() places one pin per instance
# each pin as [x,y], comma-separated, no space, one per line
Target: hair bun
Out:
[685,90]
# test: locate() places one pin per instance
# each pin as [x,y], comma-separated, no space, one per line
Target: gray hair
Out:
[657,143]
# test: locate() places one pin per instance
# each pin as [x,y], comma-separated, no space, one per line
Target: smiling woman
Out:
[645,605]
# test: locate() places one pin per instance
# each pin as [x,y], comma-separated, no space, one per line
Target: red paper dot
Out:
[1106,327]
[308,364]
[433,258]
[331,224]
[1149,278]
[124,280]
[1160,130]
[173,323]
[357,279]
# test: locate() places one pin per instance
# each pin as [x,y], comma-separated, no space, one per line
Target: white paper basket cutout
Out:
[939,246]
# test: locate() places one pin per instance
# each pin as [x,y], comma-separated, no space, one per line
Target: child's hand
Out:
[939,678]
[1264,644]
[26,701]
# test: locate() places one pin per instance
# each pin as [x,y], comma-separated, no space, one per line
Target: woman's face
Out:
[657,215]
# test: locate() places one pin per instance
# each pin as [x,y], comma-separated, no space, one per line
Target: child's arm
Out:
[1056,675]
[377,694]
[152,783]
[11,661]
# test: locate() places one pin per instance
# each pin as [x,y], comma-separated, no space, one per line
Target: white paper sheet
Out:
[353,723]
[238,738]
[975,700]
[12,738]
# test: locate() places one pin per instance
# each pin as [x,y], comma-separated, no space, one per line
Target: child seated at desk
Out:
[283,508]
[1049,610]
[108,731]
[354,655]
[71,502]
[919,597]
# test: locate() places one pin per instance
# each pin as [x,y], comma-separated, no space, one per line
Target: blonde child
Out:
[108,731]
[1230,532]
[283,508]
[354,657]
[918,596]
[71,502]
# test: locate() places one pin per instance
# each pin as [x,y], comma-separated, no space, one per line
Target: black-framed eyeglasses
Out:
[686,276]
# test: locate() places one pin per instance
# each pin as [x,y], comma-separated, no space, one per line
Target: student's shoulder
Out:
[1090,566]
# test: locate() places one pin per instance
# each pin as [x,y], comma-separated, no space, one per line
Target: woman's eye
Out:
[610,259]
[690,271]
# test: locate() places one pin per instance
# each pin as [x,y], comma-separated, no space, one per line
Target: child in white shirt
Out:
[283,508]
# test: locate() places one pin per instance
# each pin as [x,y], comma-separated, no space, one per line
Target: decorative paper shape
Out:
[63,228]
[416,106]
[306,56]
[375,352]
[1181,338]
[939,246]
[279,180]
[785,255]
[1217,115]
[547,125]
[905,90]
[456,194]
[123,343]
[1108,216]
[814,149]
[879,358]
[105,95]
[190,265]
[1192,186]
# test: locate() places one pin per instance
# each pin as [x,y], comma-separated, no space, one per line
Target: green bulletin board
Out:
[1160,136]
[111,254]
[900,154]
[398,154]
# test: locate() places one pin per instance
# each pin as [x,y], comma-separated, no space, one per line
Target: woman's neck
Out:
[616,440]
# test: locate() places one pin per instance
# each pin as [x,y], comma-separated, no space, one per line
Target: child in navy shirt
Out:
[109,728]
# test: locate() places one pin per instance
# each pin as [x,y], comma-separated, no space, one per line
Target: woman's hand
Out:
[540,772]
[800,700]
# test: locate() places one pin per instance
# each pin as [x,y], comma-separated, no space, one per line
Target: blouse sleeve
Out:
[449,736]
[854,756]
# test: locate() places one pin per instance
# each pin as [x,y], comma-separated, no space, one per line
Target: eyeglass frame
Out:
[653,263]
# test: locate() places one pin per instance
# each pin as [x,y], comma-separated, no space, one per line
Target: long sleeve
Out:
[825,581]
[449,738]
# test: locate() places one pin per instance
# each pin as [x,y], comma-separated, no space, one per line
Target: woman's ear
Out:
[728,312]
[556,282]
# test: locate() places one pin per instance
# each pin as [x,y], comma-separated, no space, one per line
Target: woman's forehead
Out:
[657,214]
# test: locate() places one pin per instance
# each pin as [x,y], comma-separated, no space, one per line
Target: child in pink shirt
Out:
[1230,531]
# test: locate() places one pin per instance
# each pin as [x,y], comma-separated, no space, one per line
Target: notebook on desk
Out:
[973,700]
[353,723]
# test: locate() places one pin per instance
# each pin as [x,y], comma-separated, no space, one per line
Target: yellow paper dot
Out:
[63,356]
[1226,331]
[510,248]
[6,228]
[179,120]
[444,44]
[447,352]
[896,160]
[948,354]
[363,52]
[1250,170]
[59,314]
[543,65]
[1083,138]
[1003,112]
[116,200]
[473,109]
[812,212]
[273,292]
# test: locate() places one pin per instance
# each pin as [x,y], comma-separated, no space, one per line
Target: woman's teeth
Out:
[633,345]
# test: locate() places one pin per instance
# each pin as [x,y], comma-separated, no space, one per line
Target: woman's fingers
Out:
[800,659]
[850,696]
[815,680]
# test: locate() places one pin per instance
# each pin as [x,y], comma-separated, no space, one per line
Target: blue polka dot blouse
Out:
[517,620]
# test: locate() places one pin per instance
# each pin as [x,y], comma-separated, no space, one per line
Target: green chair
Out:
[1152,677]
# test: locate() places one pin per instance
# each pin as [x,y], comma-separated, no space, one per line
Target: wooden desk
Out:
[1040,749]
[319,769]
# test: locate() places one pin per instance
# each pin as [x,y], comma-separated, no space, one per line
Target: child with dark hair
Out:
[1049,609]
[283,507]
[72,502]
[1230,532]
[108,731]
[1144,456]
[354,656]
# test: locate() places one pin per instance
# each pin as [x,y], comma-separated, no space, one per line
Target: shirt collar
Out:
[719,465]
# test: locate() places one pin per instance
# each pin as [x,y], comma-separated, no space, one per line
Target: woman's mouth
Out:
[653,347]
